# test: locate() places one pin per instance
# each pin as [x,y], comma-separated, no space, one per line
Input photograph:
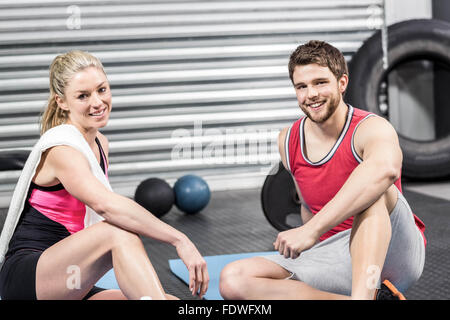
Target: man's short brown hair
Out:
[321,53]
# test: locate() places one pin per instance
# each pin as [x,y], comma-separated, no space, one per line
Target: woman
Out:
[52,254]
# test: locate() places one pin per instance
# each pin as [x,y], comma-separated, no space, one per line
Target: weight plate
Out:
[279,200]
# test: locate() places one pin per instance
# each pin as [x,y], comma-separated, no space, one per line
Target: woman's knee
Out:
[118,237]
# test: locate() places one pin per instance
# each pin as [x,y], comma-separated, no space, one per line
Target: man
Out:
[359,238]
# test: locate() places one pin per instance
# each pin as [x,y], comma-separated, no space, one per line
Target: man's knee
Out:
[384,204]
[232,281]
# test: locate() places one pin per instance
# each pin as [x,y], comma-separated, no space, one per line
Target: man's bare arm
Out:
[304,210]
[377,142]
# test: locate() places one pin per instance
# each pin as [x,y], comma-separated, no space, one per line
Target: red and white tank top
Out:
[320,181]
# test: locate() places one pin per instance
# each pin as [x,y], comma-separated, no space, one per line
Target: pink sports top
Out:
[50,214]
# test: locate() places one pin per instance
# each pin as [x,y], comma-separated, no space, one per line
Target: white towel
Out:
[60,135]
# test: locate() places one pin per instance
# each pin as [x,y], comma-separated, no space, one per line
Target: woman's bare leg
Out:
[112,294]
[258,278]
[116,294]
[69,269]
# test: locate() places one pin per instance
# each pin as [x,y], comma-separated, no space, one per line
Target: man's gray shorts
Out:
[327,266]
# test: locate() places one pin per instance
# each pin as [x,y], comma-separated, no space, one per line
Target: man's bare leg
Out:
[369,242]
[261,279]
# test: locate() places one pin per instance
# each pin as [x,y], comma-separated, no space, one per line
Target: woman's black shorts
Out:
[18,276]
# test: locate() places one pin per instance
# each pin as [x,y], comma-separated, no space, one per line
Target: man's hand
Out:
[292,242]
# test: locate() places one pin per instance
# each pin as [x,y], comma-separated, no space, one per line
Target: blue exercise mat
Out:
[108,281]
[215,265]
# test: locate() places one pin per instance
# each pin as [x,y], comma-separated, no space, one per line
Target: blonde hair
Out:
[62,69]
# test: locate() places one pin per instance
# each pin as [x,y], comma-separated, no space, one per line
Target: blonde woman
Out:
[51,242]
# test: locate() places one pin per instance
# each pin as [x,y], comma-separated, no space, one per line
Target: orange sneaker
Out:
[388,292]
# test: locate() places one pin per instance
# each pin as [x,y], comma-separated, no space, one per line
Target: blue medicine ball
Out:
[192,193]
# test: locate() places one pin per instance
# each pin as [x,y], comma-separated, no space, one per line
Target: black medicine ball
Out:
[155,195]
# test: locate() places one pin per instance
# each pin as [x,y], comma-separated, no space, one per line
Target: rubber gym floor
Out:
[233,222]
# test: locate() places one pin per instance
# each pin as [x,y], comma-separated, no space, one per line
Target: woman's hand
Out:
[196,265]
[292,242]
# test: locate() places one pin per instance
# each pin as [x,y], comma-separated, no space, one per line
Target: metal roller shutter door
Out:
[205,76]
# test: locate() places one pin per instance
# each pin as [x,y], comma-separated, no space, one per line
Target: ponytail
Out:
[52,116]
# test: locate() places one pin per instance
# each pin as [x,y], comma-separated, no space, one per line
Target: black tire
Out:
[407,41]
